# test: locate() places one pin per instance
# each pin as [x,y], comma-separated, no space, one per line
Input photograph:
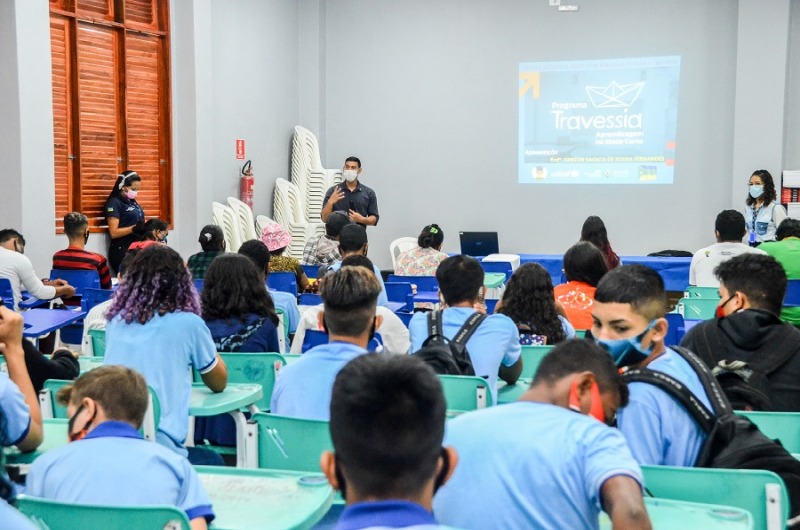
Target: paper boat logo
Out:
[614,95]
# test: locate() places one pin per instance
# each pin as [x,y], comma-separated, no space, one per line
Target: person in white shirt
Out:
[393,332]
[729,229]
[18,269]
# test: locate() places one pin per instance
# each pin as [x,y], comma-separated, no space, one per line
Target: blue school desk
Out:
[679,515]
[265,499]
[38,322]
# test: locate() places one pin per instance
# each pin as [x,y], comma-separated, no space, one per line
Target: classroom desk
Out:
[39,322]
[667,514]
[236,396]
[265,499]
[88,363]
[509,393]
[491,280]
[674,271]
[54,435]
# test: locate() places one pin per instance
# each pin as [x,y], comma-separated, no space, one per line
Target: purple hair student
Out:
[155,282]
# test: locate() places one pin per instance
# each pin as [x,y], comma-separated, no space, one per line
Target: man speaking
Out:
[351,197]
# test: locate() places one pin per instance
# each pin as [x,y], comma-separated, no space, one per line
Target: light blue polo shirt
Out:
[288,303]
[530,465]
[303,388]
[13,520]
[376,515]
[658,428]
[114,465]
[17,414]
[495,342]
[383,299]
[164,350]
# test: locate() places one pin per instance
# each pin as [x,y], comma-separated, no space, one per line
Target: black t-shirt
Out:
[127,211]
[362,200]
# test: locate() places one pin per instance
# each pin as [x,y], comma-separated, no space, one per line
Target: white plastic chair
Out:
[224,217]
[400,245]
[261,222]
[308,174]
[287,208]
[244,216]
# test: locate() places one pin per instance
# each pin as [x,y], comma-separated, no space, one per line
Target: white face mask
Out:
[350,175]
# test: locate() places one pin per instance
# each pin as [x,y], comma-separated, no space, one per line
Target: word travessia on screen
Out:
[598,122]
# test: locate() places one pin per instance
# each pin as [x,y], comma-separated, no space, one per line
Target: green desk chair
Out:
[98,338]
[531,358]
[260,368]
[580,333]
[291,357]
[466,392]
[701,292]
[698,308]
[67,516]
[291,444]
[47,399]
[783,426]
[762,493]
[283,330]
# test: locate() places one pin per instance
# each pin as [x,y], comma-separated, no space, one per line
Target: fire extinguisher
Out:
[246,184]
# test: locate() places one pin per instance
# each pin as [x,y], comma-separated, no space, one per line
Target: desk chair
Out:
[309,299]
[311,270]
[783,426]
[465,392]
[283,281]
[531,359]
[7,293]
[315,337]
[401,292]
[792,297]
[423,283]
[198,285]
[79,279]
[283,330]
[701,292]
[66,515]
[92,297]
[292,444]
[97,339]
[400,245]
[259,368]
[698,308]
[762,493]
[676,329]
[498,266]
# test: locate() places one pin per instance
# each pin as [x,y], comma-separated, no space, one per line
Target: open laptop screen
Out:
[479,243]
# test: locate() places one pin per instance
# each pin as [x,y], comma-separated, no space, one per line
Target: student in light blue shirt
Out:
[387,418]
[494,347]
[629,322]
[349,297]
[547,461]
[108,461]
[155,328]
[353,240]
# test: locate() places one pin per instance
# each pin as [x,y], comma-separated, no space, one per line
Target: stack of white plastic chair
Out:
[308,174]
[224,217]
[287,209]
[261,222]
[244,218]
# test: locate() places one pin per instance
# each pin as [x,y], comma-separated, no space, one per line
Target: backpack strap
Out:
[719,402]
[468,328]
[704,417]
[435,323]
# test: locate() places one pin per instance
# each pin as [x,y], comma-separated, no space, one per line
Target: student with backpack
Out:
[492,347]
[754,355]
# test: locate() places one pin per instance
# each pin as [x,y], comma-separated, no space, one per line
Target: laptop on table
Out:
[479,243]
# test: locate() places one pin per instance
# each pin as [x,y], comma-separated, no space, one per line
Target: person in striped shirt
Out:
[75,257]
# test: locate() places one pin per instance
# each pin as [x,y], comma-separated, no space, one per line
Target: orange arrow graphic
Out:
[531,80]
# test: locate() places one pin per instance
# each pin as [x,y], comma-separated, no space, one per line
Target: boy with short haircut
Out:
[387,417]
[537,464]
[494,346]
[629,322]
[349,297]
[353,241]
[75,256]
[108,461]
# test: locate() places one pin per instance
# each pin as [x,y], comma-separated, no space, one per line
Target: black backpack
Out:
[449,356]
[733,441]
[744,385]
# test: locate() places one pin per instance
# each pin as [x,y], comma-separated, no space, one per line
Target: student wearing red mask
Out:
[549,460]
[748,329]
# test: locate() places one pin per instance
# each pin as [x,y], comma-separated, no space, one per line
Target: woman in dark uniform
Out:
[123,213]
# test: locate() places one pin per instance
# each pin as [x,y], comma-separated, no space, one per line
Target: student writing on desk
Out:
[352,197]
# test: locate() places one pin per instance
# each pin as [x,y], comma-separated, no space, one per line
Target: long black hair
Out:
[769,188]
[126,178]
[584,262]
[529,300]
[232,289]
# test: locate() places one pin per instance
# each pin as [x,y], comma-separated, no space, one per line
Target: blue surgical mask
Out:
[626,352]
[756,191]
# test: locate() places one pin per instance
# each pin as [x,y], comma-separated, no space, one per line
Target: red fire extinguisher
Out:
[246,184]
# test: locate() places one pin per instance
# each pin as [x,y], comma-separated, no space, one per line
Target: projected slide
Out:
[598,122]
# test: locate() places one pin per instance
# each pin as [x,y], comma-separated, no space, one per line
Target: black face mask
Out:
[80,435]
[86,237]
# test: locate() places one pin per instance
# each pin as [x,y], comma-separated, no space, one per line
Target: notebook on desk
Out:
[479,243]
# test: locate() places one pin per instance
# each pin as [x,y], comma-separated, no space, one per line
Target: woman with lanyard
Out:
[762,213]
[123,214]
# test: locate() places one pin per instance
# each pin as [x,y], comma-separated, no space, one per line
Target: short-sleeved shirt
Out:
[199,263]
[530,465]
[321,250]
[375,515]
[787,252]
[495,342]
[659,430]
[18,269]
[17,414]
[127,211]
[362,200]
[577,298]
[763,223]
[288,304]
[164,350]
[254,334]
[303,388]
[14,520]
[419,261]
[286,264]
[383,298]
[113,465]
[72,258]
[705,260]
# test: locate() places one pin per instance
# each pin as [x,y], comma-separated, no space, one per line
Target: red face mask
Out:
[596,407]
[721,307]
